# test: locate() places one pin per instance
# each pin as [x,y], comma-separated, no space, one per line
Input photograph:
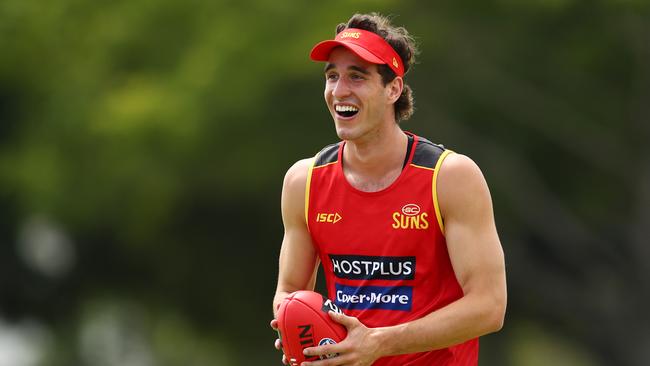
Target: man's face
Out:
[355,95]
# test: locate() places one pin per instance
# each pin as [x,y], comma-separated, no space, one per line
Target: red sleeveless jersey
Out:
[384,253]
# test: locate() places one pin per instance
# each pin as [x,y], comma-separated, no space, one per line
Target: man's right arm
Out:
[298,258]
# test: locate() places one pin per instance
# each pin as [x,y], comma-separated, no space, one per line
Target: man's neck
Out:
[375,162]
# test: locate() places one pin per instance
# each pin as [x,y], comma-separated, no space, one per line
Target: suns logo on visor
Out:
[350,34]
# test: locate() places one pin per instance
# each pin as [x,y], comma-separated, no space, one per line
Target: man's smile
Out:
[346,110]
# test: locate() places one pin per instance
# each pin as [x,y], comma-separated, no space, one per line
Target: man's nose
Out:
[341,89]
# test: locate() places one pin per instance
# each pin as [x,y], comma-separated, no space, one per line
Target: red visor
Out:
[367,45]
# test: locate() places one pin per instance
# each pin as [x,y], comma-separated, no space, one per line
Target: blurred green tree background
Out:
[143,145]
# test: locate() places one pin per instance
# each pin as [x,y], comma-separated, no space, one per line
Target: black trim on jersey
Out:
[329,154]
[409,147]
[427,153]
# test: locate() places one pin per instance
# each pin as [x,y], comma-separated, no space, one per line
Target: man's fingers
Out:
[343,319]
[338,360]
[278,344]
[274,324]
[328,349]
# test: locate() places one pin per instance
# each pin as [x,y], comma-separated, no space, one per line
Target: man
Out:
[404,229]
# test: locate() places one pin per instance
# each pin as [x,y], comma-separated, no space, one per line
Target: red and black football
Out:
[303,322]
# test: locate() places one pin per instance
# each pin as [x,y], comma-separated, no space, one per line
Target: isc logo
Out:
[328,217]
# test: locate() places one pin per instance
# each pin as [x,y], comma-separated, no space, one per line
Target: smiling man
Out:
[404,228]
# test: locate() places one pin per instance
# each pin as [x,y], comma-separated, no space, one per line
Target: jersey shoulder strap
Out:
[430,156]
[328,155]
[427,153]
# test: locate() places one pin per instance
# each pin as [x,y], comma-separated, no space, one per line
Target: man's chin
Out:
[346,130]
[346,133]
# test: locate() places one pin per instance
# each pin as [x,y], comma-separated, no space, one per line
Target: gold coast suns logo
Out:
[350,35]
[410,217]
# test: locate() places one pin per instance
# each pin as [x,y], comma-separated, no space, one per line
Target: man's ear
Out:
[394,89]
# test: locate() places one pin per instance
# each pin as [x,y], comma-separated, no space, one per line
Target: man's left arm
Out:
[478,261]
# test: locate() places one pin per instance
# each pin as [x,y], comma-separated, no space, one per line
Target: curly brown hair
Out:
[402,42]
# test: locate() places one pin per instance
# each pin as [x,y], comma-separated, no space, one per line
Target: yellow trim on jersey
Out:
[435,190]
[307,186]
[324,165]
[421,167]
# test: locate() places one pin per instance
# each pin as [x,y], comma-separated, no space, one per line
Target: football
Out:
[303,321]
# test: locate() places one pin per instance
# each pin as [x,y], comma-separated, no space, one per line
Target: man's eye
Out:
[356,77]
[331,76]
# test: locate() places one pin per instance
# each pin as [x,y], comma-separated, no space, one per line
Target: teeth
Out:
[346,108]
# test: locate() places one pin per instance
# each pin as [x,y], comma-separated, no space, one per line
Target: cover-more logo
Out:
[410,217]
[374,297]
[331,218]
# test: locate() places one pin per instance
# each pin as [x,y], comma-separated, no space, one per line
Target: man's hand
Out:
[359,348]
[278,343]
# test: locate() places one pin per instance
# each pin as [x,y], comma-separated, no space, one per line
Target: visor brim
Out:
[321,52]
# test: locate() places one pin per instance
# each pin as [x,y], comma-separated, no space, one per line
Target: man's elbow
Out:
[496,315]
